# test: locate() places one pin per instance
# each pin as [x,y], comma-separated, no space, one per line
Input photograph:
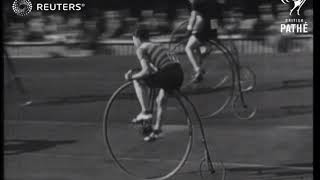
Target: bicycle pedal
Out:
[141,122]
[146,130]
[212,171]
[137,124]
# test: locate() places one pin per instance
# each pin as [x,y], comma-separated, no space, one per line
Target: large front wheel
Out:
[156,160]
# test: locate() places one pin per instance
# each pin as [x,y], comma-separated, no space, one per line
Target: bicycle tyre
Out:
[247,79]
[242,112]
[106,137]
[216,83]
[218,167]
[231,79]
[175,37]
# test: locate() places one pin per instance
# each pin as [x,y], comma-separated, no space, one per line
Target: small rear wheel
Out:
[247,79]
[215,91]
[219,172]
[243,110]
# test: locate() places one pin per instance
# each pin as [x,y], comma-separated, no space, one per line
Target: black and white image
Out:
[158,89]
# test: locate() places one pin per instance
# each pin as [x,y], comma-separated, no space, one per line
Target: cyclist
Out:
[158,70]
[200,28]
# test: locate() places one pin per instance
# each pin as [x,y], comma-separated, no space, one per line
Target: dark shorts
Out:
[168,78]
[206,35]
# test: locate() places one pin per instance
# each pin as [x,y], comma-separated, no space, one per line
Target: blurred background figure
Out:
[244,19]
[113,24]
[181,15]
[35,27]
[264,21]
[275,38]
[74,27]
[161,23]
[308,16]
[54,28]
[232,22]
[118,23]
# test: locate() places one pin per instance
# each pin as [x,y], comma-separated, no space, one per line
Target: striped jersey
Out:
[158,55]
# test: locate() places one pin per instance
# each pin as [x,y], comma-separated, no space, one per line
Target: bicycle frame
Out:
[204,141]
[152,96]
[180,95]
[235,62]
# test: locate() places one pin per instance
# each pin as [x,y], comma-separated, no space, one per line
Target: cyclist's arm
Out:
[143,59]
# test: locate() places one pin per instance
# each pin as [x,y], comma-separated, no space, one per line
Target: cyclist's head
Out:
[141,34]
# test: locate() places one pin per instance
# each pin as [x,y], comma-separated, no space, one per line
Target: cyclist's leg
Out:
[161,102]
[193,43]
[206,50]
[168,79]
[197,52]
[141,92]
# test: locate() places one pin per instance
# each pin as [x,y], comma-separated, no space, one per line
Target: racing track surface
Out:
[60,135]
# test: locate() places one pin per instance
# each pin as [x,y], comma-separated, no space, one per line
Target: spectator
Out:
[51,26]
[231,22]
[113,22]
[182,15]
[308,14]
[17,31]
[129,26]
[91,32]
[149,21]
[75,27]
[274,38]
[265,20]
[35,27]
[161,24]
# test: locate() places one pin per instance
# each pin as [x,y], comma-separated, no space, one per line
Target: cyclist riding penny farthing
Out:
[142,145]
[216,71]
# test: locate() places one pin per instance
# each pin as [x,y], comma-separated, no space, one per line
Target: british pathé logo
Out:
[294,25]
[297,5]
[22,7]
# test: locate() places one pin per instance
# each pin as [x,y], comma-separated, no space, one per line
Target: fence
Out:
[256,45]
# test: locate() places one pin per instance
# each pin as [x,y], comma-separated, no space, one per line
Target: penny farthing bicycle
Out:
[160,159]
[225,80]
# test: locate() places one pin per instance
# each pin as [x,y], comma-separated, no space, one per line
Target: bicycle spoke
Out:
[247,79]
[205,172]
[243,110]
[125,140]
